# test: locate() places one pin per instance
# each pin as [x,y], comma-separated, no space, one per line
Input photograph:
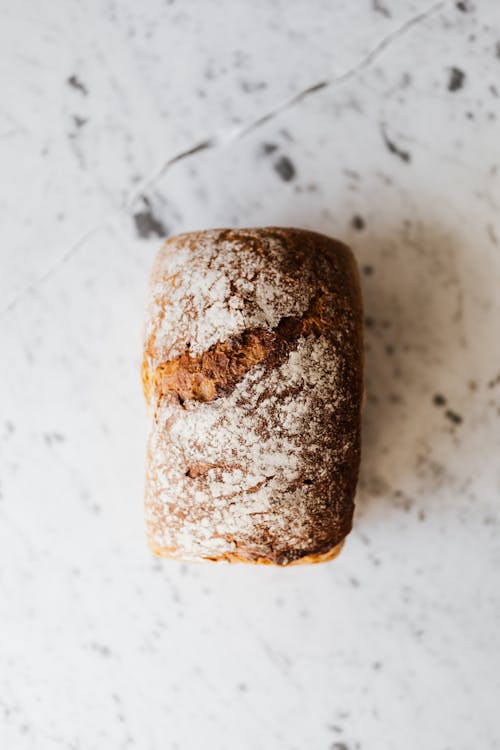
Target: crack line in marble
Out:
[64,258]
[213,142]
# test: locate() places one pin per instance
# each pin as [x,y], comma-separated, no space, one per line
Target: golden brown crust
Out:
[255,435]
[216,372]
[232,557]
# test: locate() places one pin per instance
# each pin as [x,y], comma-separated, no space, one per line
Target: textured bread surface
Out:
[253,375]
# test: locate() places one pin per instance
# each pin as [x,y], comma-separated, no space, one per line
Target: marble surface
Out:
[121,122]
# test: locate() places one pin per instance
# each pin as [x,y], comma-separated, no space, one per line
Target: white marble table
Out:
[377,122]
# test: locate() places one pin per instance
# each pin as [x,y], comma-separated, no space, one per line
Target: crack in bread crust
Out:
[217,371]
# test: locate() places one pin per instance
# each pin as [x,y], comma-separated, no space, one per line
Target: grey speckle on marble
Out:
[376,122]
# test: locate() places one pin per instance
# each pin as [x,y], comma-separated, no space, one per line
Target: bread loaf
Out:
[253,373]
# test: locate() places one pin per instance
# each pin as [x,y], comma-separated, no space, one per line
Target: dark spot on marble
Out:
[438,399]
[456,79]
[465,6]
[394,149]
[284,167]
[351,173]
[269,148]
[147,224]
[9,426]
[250,86]
[354,582]
[101,649]
[54,437]
[339,746]
[494,381]
[377,486]
[377,666]
[368,270]
[358,222]
[242,687]
[380,7]
[77,84]
[389,349]
[453,416]
[421,515]
[469,115]
[403,501]
[79,121]
[369,322]
[497,50]
[334,728]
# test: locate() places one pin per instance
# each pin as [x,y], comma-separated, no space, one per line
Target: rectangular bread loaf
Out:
[253,375]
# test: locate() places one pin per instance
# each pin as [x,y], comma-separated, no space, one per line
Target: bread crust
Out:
[232,557]
[253,374]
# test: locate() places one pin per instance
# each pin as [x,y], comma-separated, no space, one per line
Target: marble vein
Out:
[216,141]
[221,140]
[52,268]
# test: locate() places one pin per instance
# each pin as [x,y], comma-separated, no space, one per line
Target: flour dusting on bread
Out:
[253,373]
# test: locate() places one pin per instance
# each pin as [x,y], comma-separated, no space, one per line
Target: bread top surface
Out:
[253,373]
[208,286]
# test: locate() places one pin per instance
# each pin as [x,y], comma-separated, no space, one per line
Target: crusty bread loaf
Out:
[253,372]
